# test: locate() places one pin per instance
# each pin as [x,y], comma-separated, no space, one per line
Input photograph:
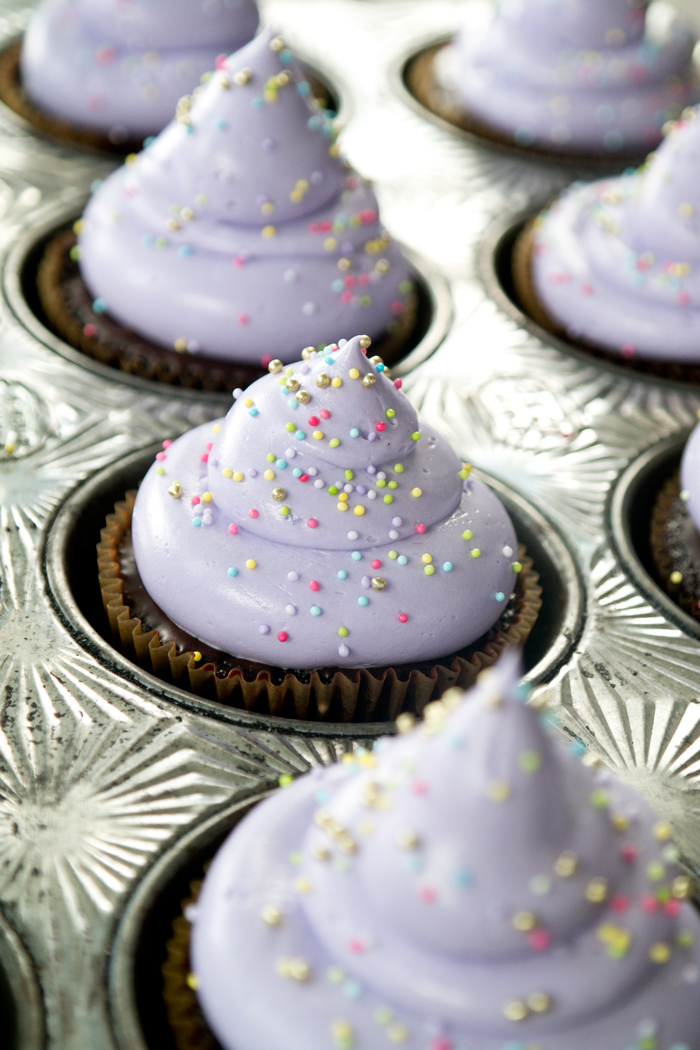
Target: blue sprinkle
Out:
[322,796]
[148,141]
[342,575]
[447,567]
[313,123]
[221,124]
[354,433]
[252,411]
[402,559]
[328,360]
[413,862]
[196,521]
[356,556]
[577,747]
[284,390]
[499,596]
[286,56]
[315,611]
[380,367]
[300,435]
[95,185]
[148,240]
[362,600]
[189,130]
[297,472]
[233,572]
[293,403]
[100,306]
[327,129]
[304,89]
[184,251]
[258,103]
[281,464]
[352,989]
[337,286]
[464,878]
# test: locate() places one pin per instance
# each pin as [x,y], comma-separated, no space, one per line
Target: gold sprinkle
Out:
[516,1010]
[369,380]
[275,366]
[405,722]
[323,380]
[278,494]
[242,76]
[524,921]
[292,385]
[596,891]
[175,490]
[365,342]
[681,887]
[407,840]
[271,915]
[378,584]
[539,1002]
[566,864]
[303,397]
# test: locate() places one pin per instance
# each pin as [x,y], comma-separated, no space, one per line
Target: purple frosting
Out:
[586,75]
[317,525]
[120,66]
[690,476]
[239,232]
[617,262]
[469,886]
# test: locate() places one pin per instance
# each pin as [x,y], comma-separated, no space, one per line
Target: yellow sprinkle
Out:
[354,374]
[318,434]
[197,656]
[330,244]
[206,498]
[269,475]
[238,476]
[130,159]
[342,506]
[78,226]
[336,382]
[228,473]
[303,886]
[416,492]
[342,498]
[662,831]
[359,510]
[659,953]
[499,791]
[426,559]
[676,577]
[192,982]
[269,231]
[250,564]
[180,345]
[216,428]
[248,402]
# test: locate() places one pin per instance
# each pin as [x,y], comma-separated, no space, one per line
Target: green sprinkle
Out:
[290,428]
[334,442]
[393,555]
[343,632]
[270,457]
[467,534]
[476,553]
[388,498]
[416,436]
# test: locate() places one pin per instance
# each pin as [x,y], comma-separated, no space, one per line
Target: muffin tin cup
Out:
[21,1007]
[75,592]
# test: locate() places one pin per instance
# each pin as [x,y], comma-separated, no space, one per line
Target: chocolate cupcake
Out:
[107,76]
[469,884]
[317,528]
[675,531]
[612,265]
[238,234]
[589,79]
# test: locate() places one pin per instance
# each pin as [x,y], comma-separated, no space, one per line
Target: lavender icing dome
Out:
[121,67]
[320,525]
[469,885]
[239,232]
[690,476]
[617,262]
[586,75]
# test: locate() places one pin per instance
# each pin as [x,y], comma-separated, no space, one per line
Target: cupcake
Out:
[613,264]
[580,77]
[107,73]
[318,527]
[675,531]
[239,234]
[470,884]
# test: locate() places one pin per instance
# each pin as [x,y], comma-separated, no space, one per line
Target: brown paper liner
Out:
[675,547]
[67,305]
[426,88]
[327,694]
[530,304]
[13,95]
[187,1022]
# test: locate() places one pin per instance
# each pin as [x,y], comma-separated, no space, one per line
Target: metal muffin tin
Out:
[109,779]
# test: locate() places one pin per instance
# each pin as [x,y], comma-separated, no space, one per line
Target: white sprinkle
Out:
[348,488]
[371,494]
[290,453]
[263,629]
[352,535]
[252,472]
[291,610]
[293,576]
[397,522]
[508,551]
[371,469]
[237,393]
[290,276]
[393,534]
[343,650]
[312,472]
[381,476]
[319,483]
[309,309]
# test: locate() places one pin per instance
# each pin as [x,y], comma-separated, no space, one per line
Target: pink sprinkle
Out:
[243,318]
[96,102]
[629,853]
[209,446]
[420,528]
[312,227]
[195,501]
[314,585]
[398,384]
[282,636]
[264,361]
[252,513]
[220,62]
[363,280]
[559,278]
[313,421]
[90,330]
[397,307]
[441,1042]
[160,456]
[204,458]
[325,227]
[356,945]
[324,413]
[586,289]
[239,261]
[427,894]
[403,618]
[619,904]
[627,351]
[376,564]
[419,787]
[304,477]
[367,216]
[683,299]
[106,55]
[350,282]
[167,444]
[380,427]
[648,904]
[539,940]
[672,907]
[346,297]
[233,529]
[312,523]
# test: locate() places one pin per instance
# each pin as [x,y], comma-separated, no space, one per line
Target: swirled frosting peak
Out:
[471,884]
[617,262]
[578,75]
[320,523]
[239,232]
[121,67]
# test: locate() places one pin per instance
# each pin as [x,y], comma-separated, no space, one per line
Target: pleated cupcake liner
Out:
[675,548]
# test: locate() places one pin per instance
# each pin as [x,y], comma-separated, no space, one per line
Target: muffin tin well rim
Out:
[494,243]
[57,573]
[618,516]
[19,972]
[61,214]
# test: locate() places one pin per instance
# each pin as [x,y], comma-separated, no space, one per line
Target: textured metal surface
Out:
[105,782]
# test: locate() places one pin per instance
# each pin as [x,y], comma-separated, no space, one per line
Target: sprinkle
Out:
[314,585]
[416,492]
[403,618]
[197,656]
[282,636]
[312,523]
[660,952]
[233,572]
[251,564]
[447,566]
[233,529]
[342,575]
[419,528]
[362,600]
[566,864]
[676,577]
[468,534]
